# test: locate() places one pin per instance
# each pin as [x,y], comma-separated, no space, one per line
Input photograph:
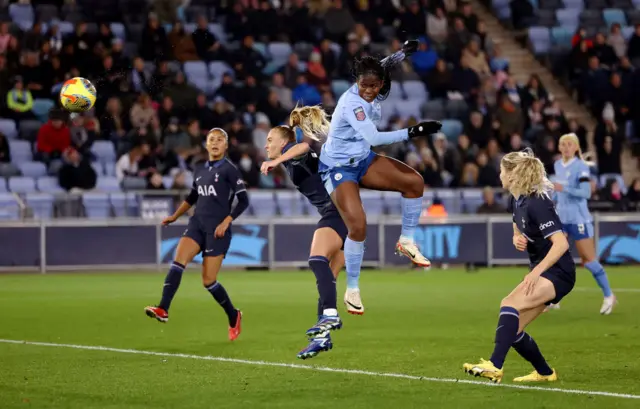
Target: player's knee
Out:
[358,231]
[509,302]
[414,185]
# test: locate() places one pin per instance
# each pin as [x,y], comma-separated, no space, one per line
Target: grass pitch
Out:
[405,352]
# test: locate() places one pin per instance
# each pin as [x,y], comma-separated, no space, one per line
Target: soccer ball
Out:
[78,95]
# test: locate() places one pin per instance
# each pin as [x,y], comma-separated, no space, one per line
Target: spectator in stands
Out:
[160,78]
[608,138]
[424,60]
[469,17]
[522,14]
[113,123]
[605,53]
[182,44]
[266,22]
[304,93]
[488,175]
[328,58]
[476,59]
[469,177]
[105,36]
[581,133]
[465,81]
[477,129]
[547,152]
[534,121]
[207,45]
[249,170]
[483,39]
[259,134]
[76,174]
[459,37]
[81,137]
[439,80]
[617,41]
[54,37]
[7,169]
[53,137]
[534,91]
[612,192]
[154,181]
[430,169]
[489,204]
[32,39]
[347,59]
[633,48]
[176,142]
[247,60]
[127,165]
[237,22]
[81,43]
[222,115]
[509,115]
[182,93]
[32,73]
[338,21]
[274,109]
[154,44]
[619,97]
[633,194]
[19,101]
[142,112]
[593,84]
[316,74]
[438,27]
[291,71]
[140,77]
[579,61]
[5,76]
[5,37]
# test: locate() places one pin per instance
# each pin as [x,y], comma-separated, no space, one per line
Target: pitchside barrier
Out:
[63,245]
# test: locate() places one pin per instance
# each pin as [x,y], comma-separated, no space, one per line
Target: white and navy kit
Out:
[536,218]
[214,187]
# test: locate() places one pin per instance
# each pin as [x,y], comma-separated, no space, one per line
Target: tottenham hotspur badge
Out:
[217,175]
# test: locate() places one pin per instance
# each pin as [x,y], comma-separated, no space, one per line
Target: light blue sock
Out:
[353,255]
[411,209]
[600,276]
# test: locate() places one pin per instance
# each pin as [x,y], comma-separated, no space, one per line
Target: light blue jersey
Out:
[353,131]
[574,176]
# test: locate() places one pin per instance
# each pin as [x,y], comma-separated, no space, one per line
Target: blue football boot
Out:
[325,323]
[316,345]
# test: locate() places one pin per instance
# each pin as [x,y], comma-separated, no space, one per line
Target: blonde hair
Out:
[574,138]
[312,121]
[525,174]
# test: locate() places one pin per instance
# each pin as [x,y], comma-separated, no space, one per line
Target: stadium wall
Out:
[65,245]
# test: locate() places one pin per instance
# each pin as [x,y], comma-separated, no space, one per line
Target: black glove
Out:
[425,128]
[410,46]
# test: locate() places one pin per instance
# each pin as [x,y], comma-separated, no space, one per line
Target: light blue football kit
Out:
[346,156]
[571,203]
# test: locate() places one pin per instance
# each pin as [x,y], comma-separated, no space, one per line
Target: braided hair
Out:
[373,66]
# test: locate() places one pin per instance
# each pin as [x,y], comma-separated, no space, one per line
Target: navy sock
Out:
[528,349]
[220,294]
[505,334]
[325,281]
[171,284]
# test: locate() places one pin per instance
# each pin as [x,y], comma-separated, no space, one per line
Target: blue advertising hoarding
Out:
[19,246]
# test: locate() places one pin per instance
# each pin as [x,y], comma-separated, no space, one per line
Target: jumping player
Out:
[209,229]
[538,230]
[326,258]
[347,162]
[572,192]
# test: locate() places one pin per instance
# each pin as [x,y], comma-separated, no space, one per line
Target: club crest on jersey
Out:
[207,190]
[360,115]
[217,176]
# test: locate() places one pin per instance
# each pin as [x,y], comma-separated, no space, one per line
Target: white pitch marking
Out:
[323,369]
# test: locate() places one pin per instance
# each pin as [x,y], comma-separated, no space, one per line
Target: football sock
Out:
[220,294]
[528,349]
[411,209]
[320,308]
[325,281]
[353,255]
[505,334]
[598,273]
[171,284]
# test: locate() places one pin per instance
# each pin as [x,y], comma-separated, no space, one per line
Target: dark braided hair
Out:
[372,66]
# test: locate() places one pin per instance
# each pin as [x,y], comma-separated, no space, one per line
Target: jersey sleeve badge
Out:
[360,115]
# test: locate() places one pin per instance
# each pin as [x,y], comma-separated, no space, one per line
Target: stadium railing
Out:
[277,242]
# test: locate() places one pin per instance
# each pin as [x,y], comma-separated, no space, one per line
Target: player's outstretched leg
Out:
[388,174]
[528,349]
[210,268]
[185,252]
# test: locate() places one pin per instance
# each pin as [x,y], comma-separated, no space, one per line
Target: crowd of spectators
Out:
[156,117]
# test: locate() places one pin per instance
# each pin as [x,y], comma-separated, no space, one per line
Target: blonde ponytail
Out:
[312,121]
[526,174]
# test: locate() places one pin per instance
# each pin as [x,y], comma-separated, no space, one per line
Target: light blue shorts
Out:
[579,231]
[333,177]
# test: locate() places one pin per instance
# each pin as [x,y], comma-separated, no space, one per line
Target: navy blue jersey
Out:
[214,187]
[536,218]
[303,172]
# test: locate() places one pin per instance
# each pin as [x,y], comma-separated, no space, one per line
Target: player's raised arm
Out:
[295,151]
